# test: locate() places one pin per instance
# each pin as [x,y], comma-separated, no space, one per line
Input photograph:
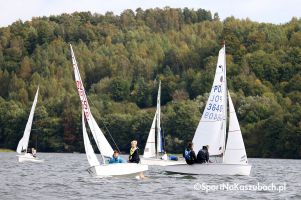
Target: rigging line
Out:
[107,130]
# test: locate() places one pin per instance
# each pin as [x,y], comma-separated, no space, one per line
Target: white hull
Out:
[211,168]
[119,169]
[160,162]
[28,158]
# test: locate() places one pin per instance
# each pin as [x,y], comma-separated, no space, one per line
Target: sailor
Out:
[207,154]
[134,154]
[116,158]
[189,154]
[34,152]
[164,157]
[203,155]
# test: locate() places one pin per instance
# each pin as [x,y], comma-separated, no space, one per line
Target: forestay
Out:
[211,129]
[23,143]
[235,151]
[101,142]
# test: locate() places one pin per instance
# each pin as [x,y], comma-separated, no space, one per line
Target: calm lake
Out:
[64,176]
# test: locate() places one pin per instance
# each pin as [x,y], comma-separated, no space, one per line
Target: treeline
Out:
[122,57]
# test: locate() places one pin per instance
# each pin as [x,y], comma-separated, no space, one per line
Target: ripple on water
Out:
[64,176]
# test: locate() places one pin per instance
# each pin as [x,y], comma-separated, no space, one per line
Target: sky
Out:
[271,11]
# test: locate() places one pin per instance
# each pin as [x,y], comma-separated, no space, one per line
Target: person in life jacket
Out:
[203,155]
[116,158]
[164,157]
[134,154]
[189,154]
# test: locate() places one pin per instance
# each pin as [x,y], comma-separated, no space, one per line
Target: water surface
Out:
[64,176]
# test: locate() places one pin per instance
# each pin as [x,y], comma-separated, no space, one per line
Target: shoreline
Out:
[6,150]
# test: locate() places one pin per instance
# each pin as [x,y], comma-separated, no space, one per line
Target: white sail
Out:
[211,129]
[150,147]
[159,136]
[235,150]
[92,159]
[101,142]
[23,143]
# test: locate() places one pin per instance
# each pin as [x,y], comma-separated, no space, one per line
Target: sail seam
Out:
[234,131]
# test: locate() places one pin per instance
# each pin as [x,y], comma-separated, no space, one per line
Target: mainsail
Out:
[101,142]
[235,150]
[211,129]
[92,159]
[23,143]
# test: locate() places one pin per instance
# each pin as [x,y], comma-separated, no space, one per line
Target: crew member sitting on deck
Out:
[189,154]
[116,158]
[134,154]
[164,157]
[203,155]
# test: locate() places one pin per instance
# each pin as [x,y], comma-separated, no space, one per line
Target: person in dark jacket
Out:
[189,154]
[203,155]
[116,158]
[134,154]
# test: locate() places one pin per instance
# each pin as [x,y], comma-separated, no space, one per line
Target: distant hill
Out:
[121,57]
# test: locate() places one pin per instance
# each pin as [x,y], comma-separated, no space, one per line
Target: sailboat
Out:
[211,131]
[105,149]
[154,148]
[22,148]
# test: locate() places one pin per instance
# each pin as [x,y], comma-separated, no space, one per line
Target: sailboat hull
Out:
[28,158]
[120,169]
[211,168]
[160,162]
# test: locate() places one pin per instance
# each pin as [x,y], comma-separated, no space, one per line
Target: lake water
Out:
[64,176]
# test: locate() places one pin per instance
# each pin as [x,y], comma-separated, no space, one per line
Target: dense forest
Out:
[122,57]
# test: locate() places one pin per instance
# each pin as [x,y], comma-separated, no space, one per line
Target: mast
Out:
[159,137]
[225,103]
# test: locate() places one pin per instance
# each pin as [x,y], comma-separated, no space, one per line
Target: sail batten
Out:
[23,143]
[101,142]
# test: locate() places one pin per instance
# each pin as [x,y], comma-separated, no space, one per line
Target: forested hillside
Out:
[122,57]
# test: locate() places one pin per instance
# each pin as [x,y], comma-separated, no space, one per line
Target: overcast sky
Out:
[274,11]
